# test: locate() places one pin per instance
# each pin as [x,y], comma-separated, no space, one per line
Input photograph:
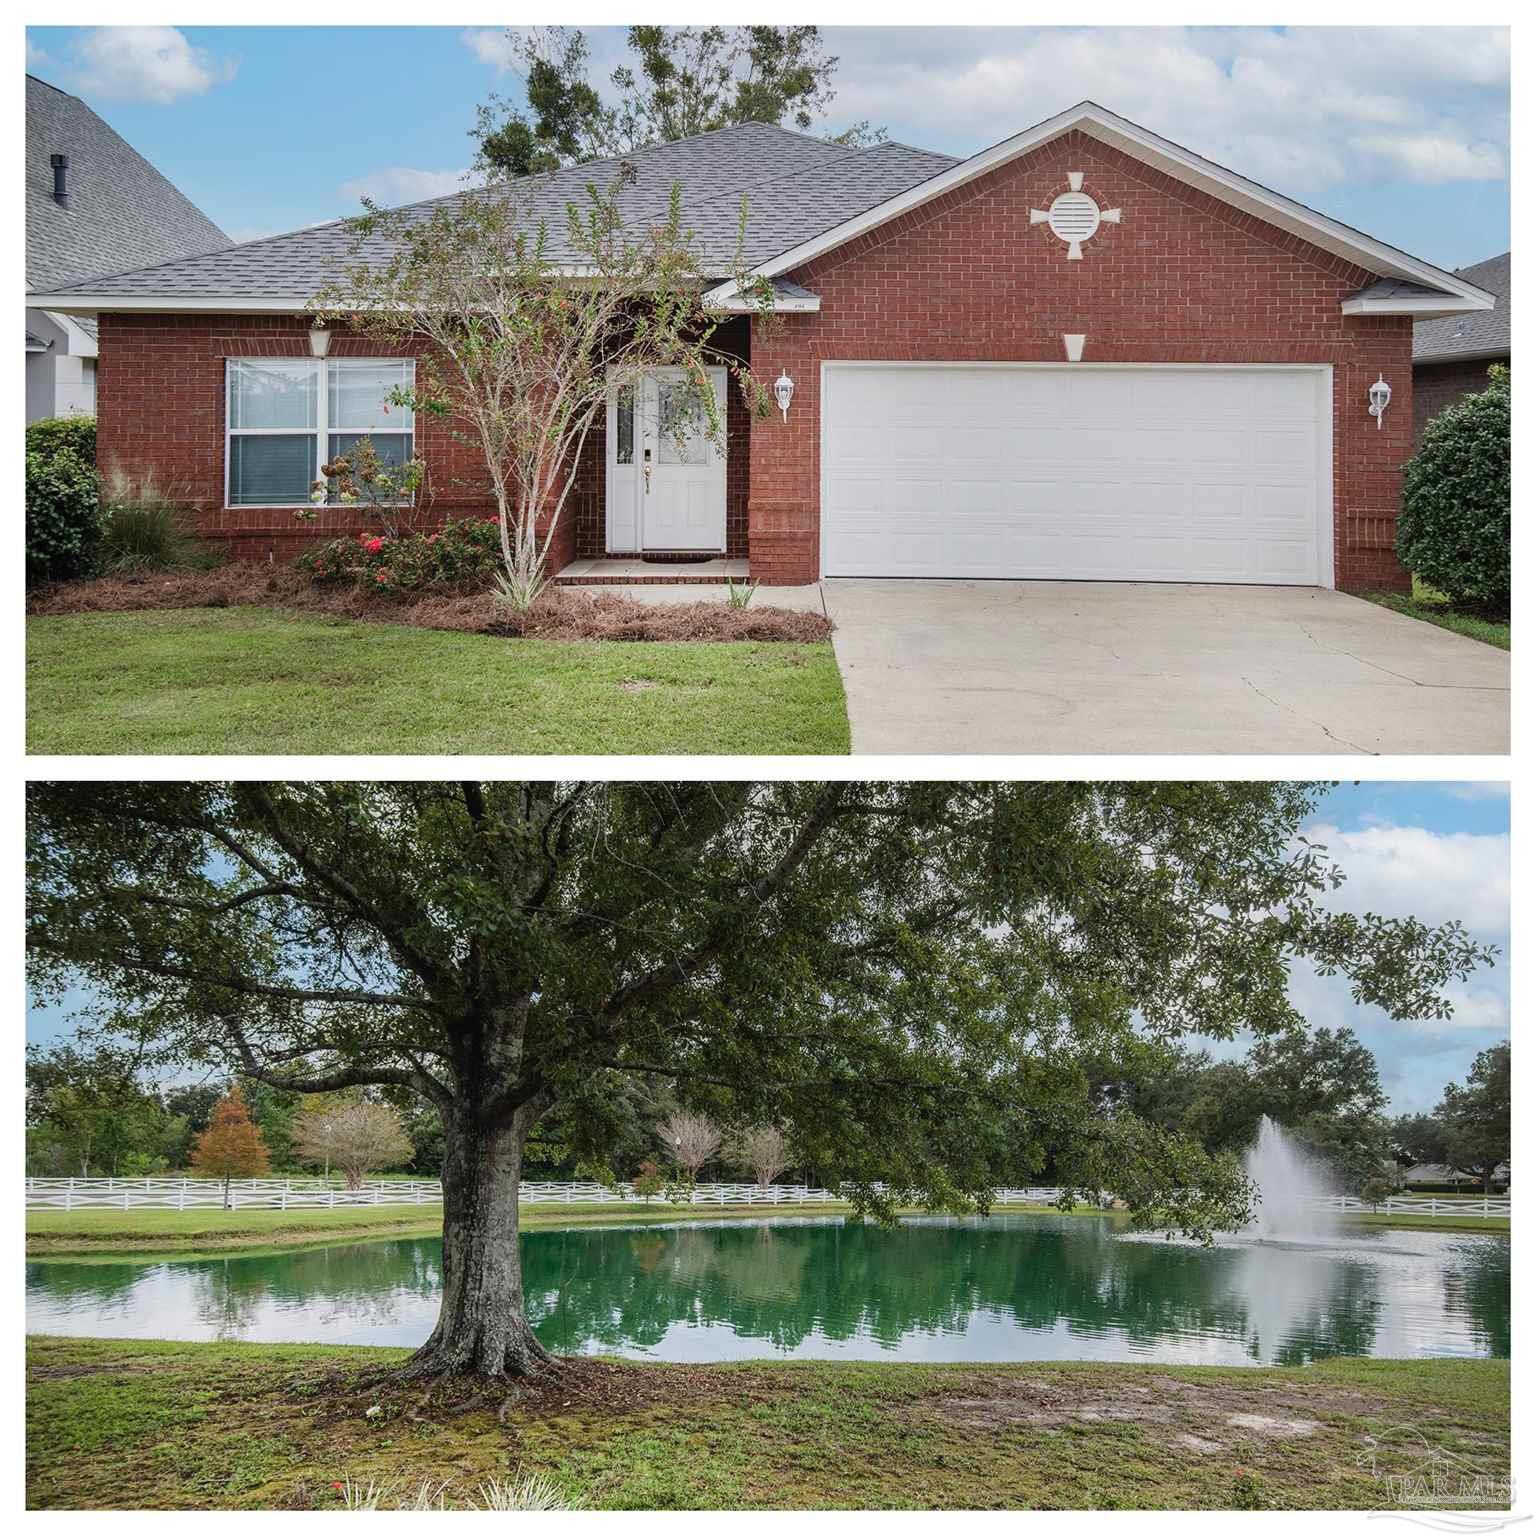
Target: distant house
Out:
[1440,1174]
[94,206]
[1452,355]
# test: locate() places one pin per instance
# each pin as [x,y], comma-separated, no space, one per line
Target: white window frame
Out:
[321,431]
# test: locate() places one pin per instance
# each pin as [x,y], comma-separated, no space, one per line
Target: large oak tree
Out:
[912,979]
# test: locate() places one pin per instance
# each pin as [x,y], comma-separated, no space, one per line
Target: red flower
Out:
[374,546]
[383,575]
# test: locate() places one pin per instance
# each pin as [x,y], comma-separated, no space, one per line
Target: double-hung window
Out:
[288,417]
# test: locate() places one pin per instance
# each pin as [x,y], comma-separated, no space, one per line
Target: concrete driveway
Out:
[1046,666]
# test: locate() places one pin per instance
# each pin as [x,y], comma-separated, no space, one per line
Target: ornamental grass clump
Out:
[145,528]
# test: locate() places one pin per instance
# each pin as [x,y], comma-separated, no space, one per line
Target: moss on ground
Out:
[126,1424]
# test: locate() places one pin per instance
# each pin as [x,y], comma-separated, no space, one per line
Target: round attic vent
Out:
[1074,217]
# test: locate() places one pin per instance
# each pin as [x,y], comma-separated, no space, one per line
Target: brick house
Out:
[1452,356]
[1082,353]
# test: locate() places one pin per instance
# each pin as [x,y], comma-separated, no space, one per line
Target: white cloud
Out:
[1490,790]
[400,184]
[1400,871]
[1301,108]
[154,64]
[37,58]
[493,46]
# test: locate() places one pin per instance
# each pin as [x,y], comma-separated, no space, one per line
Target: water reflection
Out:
[1010,1288]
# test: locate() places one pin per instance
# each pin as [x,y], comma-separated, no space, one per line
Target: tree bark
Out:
[482,1325]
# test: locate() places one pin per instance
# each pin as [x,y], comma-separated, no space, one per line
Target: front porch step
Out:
[651,573]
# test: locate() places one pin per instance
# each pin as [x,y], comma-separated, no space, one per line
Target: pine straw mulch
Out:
[563,613]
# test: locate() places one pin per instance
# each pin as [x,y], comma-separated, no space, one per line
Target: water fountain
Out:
[1292,1189]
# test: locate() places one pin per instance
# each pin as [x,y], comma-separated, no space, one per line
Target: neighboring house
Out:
[1440,1173]
[1084,353]
[1452,355]
[94,205]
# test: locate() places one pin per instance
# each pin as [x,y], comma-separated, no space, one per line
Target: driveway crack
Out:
[1290,710]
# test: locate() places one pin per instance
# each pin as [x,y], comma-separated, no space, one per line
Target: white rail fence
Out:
[298,1194]
[1425,1205]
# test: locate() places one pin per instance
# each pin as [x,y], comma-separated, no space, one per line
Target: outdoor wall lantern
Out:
[319,340]
[1381,397]
[784,392]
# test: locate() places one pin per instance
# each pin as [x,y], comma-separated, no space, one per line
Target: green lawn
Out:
[123,1424]
[1434,608]
[256,680]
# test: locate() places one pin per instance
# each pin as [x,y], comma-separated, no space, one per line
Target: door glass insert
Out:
[681,426]
[624,425]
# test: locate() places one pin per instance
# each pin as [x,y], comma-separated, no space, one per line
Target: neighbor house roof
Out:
[121,211]
[1470,336]
[804,196]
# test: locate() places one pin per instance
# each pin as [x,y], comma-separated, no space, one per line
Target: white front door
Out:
[1077,472]
[666,477]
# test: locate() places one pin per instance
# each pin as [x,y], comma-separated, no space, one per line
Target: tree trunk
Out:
[482,1326]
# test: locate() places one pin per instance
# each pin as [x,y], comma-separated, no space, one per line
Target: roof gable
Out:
[1457,294]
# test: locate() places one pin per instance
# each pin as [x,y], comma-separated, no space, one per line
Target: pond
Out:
[1019,1287]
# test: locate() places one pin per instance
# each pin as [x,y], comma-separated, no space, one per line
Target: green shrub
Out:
[459,557]
[144,528]
[63,498]
[1454,529]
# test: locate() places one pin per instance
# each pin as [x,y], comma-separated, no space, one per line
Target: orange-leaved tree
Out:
[232,1147]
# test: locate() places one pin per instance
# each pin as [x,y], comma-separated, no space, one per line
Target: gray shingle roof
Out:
[122,212]
[1485,334]
[796,187]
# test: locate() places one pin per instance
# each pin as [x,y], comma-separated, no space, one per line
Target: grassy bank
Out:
[260,680]
[129,1424]
[188,1234]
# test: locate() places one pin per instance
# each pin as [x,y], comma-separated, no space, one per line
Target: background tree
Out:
[941,963]
[356,1135]
[519,360]
[1476,1116]
[87,1110]
[691,1140]
[765,1150]
[682,81]
[231,1147]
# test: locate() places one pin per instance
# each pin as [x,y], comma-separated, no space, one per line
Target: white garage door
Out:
[1077,473]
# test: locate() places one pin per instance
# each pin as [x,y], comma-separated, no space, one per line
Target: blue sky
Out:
[1432,851]
[1398,131]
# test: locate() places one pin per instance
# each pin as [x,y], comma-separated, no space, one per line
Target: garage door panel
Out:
[1171,474]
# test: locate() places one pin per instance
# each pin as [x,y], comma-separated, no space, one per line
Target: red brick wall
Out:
[160,409]
[1437,385]
[1184,278]
[161,406]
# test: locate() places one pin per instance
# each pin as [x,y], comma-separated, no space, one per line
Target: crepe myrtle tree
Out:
[910,978]
[517,347]
[691,1140]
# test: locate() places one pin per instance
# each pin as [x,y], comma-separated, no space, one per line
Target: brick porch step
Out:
[651,573]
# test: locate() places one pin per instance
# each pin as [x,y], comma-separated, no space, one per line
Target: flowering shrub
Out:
[460,556]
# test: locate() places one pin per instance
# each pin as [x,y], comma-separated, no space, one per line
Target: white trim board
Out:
[1163,155]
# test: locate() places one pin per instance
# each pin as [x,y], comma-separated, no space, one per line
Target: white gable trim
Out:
[1163,155]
